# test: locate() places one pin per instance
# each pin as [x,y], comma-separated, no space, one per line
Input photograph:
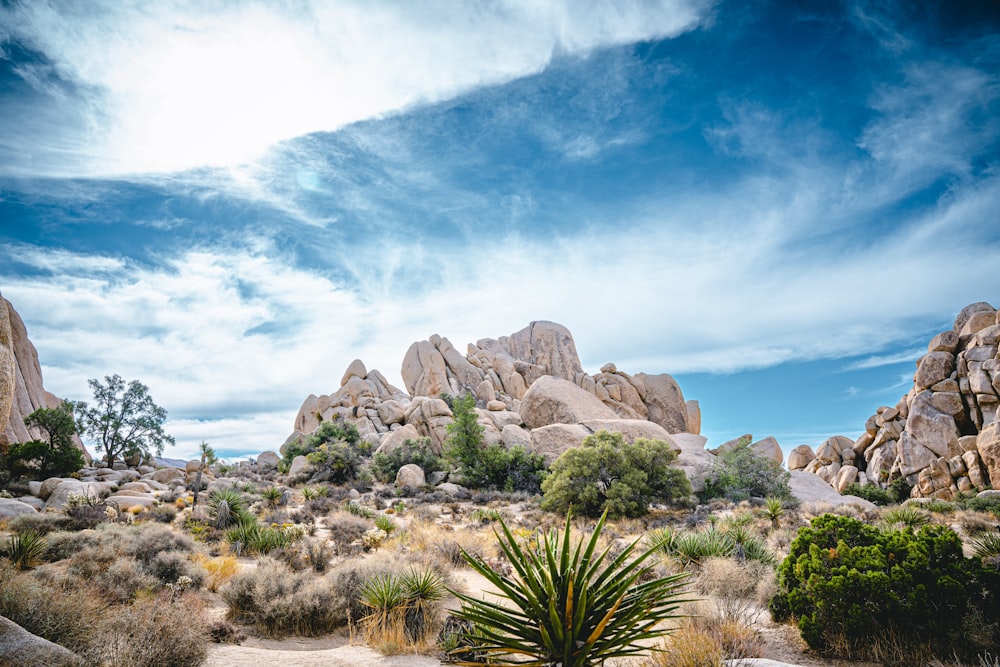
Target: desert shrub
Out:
[52,458]
[42,523]
[568,603]
[153,632]
[218,570]
[982,504]
[162,513]
[691,548]
[384,466]
[346,581]
[741,473]
[357,509]
[708,641]
[870,492]
[607,473]
[345,530]
[169,566]
[489,467]
[147,540]
[280,602]
[62,612]
[856,590]
[733,588]
[123,579]
[222,632]
[250,536]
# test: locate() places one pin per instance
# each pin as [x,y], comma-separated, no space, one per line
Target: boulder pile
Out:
[530,390]
[943,436]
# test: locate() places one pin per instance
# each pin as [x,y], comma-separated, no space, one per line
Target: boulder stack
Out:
[943,436]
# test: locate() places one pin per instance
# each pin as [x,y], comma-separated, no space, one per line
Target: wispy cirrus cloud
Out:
[120,88]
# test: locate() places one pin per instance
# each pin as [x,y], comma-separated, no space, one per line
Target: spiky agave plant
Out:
[566,604]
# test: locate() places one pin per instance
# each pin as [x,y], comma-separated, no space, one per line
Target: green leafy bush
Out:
[489,467]
[741,473]
[857,592]
[385,465]
[870,492]
[58,454]
[607,473]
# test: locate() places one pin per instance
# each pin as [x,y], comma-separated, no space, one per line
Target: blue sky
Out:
[777,203]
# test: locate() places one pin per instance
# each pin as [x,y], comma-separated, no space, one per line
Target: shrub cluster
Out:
[607,473]
[384,466]
[887,595]
[740,473]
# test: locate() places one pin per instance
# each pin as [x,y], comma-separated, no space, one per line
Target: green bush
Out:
[384,466]
[870,492]
[607,473]
[58,454]
[489,467]
[741,473]
[982,504]
[857,592]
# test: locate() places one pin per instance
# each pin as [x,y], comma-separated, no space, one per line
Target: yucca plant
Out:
[309,493]
[568,605]
[661,539]
[424,589]
[225,507]
[774,509]
[694,548]
[25,549]
[385,522]
[273,496]
[986,546]
[907,516]
[360,510]
[385,597]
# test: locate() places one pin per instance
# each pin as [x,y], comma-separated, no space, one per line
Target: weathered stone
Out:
[485,392]
[880,461]
[693,459]
[9,508]
[391,412]
[932,368]
[423,371]
[410,475]
[268,459]
[728,445]
[552,440]
[810,488]
[945,341]
[845,477]
[453,489]
[300,467]
[665,404]
[988,446]
[981,353]
[932,428]
[964,485]
[395,439]
[167,475]
[693,416]
[768,448]
[828,452]
[631,429]
[977,322]
[947,402]
[966,313]
[956,466]
[513,435]
[948,385]
[913,456]
[502,418]
[18,647]
[126,501]
[800,457]
[863,442]
[552,400]
[496,406]
[355,369]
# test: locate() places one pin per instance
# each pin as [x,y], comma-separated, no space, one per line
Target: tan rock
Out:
[665,404]
[932,428]
[20,647]
[395,439]
[946,341]
[809,488]
[268,459]
[988,446]
[913,456]
[800,457]
[828,452]
[966,314]
[167,475]
[693,416]
[8,368]
[552,440]
[391,412]
[355,369]
[768,448]
[10,508]
[550,347]
[977,322]
[485,392]
[515,436]
[631,429]
[496,406]
[863,442]
[693,459]
[423,371]
[846,476]
[947,402]
[410,475]
[552,400]
[932,368]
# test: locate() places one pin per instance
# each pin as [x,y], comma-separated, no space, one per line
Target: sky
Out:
[778,203]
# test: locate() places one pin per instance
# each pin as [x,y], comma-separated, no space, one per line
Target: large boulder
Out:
[631,429]
[696,462]
[800,457]
[664,401]
[551,441]
[8,367]
[769,449]
[268,459]
[988,446]
[410,475]
[551,400]
[932,428]
[810,488]
[20,648]
[10,508]
[393,440]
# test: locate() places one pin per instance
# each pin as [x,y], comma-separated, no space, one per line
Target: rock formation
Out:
[943,436]
[21,390]
[530,389]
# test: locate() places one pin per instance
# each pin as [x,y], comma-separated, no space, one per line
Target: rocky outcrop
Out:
[552,400]
[20,647]
[943,435]
[21,390]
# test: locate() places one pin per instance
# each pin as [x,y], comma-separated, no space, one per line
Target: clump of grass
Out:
[25,549]
[385,523]
[907,516]
[402,608]
[279,602]
[218,570]
[360,510]
[707,642]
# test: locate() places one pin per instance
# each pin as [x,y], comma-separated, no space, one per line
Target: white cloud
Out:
[177,84]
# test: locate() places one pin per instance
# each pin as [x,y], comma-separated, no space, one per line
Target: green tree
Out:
[57,454]
[207,458]
[607,473]
[124,420]
[465,434]
[741,473]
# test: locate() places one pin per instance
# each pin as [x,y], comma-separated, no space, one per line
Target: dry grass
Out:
[706,642]
[219,570]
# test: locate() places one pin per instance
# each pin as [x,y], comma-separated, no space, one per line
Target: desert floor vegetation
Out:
[402,571]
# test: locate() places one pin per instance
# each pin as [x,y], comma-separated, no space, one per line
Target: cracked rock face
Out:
[943,436]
